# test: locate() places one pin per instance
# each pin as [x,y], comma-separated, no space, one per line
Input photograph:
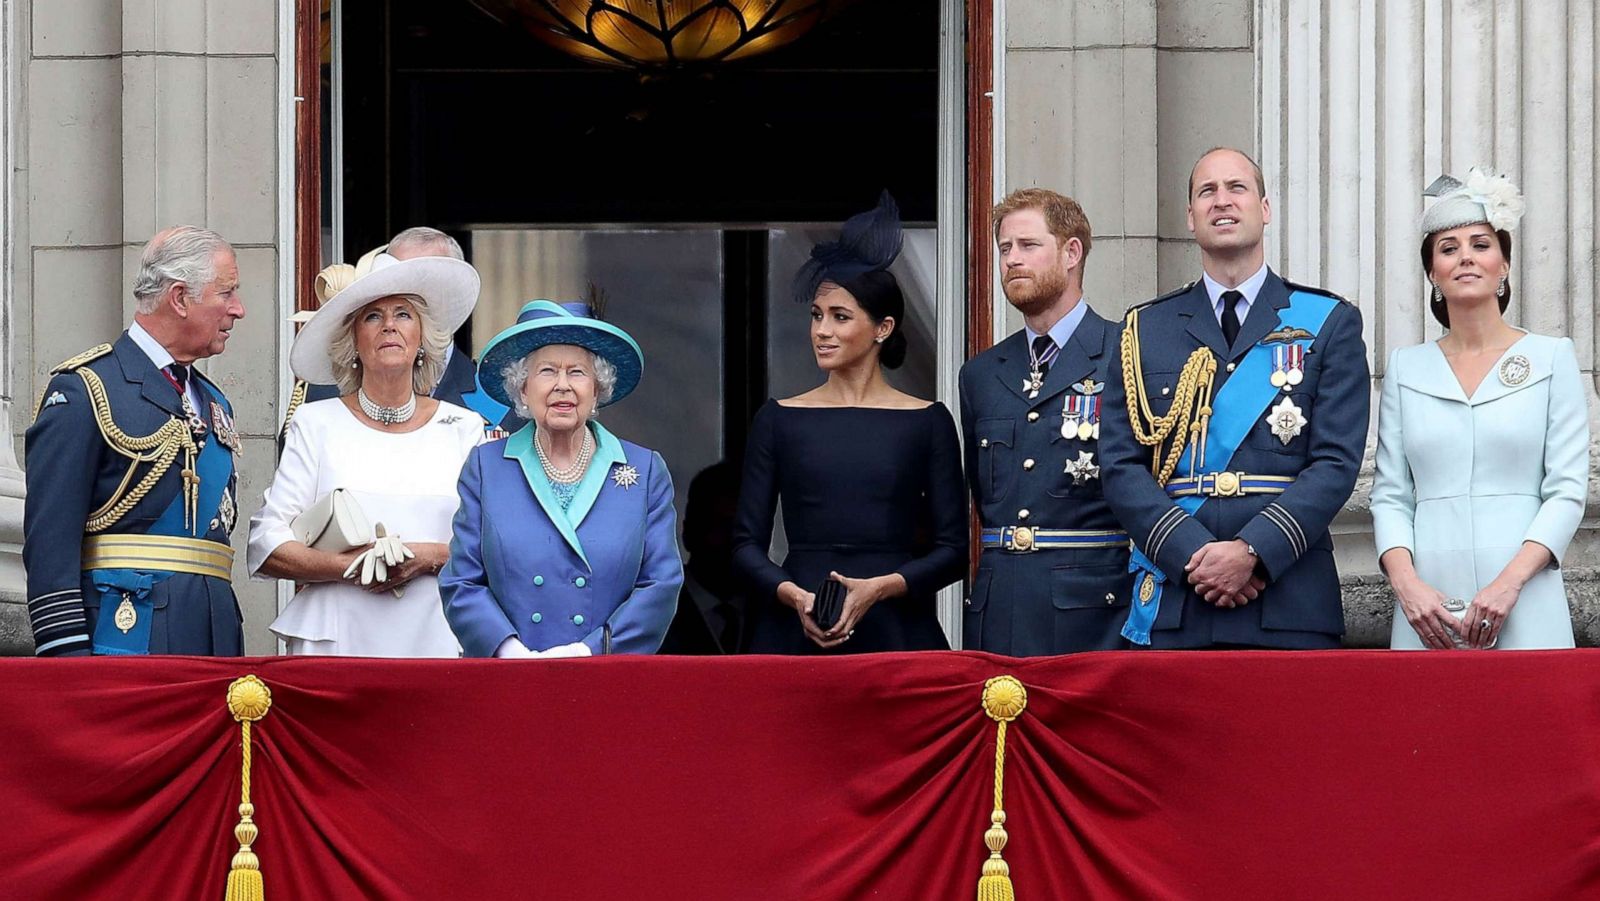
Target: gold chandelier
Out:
[658,34]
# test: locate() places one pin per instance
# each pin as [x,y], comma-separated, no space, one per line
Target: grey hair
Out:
[435,344]
[514,376]
[183,254]
[422,236]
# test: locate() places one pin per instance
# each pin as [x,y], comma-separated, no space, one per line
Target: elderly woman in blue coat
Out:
[565,532]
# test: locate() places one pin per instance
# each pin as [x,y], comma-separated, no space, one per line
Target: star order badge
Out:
[1286,420]
[1083,469]
[624,476]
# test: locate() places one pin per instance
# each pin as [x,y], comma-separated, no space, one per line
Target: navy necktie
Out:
[1230,316]
[1044,352]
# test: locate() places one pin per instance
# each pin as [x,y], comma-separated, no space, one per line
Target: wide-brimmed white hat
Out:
[449,286]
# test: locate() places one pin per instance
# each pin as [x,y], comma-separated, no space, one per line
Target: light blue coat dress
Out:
[520,565]
[1463,482]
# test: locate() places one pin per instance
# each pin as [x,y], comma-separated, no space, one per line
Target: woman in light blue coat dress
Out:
[565,536]
[1483,446]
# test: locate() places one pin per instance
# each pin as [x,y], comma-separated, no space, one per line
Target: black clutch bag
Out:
[829,605]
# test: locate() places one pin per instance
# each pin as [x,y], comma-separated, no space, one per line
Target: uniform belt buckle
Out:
[1020,539]
[1226,484]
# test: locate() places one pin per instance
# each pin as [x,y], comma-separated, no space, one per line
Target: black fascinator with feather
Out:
[869,242]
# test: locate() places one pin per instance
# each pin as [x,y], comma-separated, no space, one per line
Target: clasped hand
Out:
[1224,573]
[373,567]
[860,595]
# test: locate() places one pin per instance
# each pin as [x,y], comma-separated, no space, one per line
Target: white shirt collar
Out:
[1062,331]
[1250,287]
[151,347]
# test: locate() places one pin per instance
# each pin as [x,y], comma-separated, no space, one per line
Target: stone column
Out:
[133,115]
[16,636]
[1362,105]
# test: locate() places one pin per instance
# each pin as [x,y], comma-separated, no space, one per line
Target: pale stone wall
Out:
[131,115]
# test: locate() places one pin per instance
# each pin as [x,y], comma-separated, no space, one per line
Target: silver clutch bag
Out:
[334,524]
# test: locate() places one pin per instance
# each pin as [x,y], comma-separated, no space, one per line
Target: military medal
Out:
[126,617]
[197,425]
[1515,370]
[1037,364]
[1082,469]
[1297,364]
[1288,363]
[1147,589]
[1069,417]
[222,425]
[1286,420]
[227,511]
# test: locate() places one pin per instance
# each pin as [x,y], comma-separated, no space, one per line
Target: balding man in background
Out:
[130,472]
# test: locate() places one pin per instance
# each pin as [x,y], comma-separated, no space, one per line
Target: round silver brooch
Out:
[1515,369]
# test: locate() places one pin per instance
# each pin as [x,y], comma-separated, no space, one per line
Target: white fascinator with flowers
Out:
[1483,196]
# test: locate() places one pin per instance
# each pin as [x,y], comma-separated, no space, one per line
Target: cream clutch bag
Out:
[335,524]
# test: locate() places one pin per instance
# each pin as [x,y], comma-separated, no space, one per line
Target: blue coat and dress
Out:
[1463,481]
[521,566]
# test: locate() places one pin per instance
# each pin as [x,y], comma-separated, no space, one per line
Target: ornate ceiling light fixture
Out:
[663,34]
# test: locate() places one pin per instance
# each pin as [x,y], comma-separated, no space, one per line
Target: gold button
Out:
[984,442]
[1033,416]
[1232,367]
[1027,464]
[1023,513]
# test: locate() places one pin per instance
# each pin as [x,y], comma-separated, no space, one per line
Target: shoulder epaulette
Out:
[88,356]
[1313,289]
[296,398]
[1167,296]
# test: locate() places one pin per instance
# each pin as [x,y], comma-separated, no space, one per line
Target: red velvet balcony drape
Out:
[1138,775]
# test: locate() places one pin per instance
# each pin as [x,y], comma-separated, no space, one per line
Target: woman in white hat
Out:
[394,451]
[1483,446]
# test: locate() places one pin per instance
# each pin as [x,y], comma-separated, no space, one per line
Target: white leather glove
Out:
[374,562]
[513,649]
[576,649]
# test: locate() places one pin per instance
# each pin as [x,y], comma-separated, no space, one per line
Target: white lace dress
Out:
[405,481]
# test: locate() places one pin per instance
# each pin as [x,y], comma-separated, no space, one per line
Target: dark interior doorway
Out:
[455,120]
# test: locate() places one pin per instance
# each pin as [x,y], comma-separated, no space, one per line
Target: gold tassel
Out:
[1004,699]
[249,699]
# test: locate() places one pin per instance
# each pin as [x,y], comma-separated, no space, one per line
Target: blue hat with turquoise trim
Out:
[544,322]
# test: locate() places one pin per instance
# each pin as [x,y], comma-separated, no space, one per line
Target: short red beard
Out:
[1047,286]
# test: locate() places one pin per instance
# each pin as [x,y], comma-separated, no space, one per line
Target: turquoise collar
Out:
[607,453]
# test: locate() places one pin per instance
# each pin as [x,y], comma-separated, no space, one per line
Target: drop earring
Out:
[1438,296]
[1501,291]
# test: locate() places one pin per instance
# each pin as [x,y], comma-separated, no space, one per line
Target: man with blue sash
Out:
[130,473]
[1241,405]
[1052,577]
[459,384]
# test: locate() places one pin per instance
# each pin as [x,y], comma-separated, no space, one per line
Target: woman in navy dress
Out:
[869,477]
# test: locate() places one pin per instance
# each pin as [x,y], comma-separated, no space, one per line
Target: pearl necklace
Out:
[386,415]
[572,473]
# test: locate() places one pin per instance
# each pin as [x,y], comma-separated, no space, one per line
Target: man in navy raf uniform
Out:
[130,473]
[1237,418]
[459,384]
[1053,575]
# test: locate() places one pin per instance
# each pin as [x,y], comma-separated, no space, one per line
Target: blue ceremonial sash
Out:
[1235,410]
[214,465]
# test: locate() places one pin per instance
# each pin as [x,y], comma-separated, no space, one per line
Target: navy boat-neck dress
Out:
[866,492]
